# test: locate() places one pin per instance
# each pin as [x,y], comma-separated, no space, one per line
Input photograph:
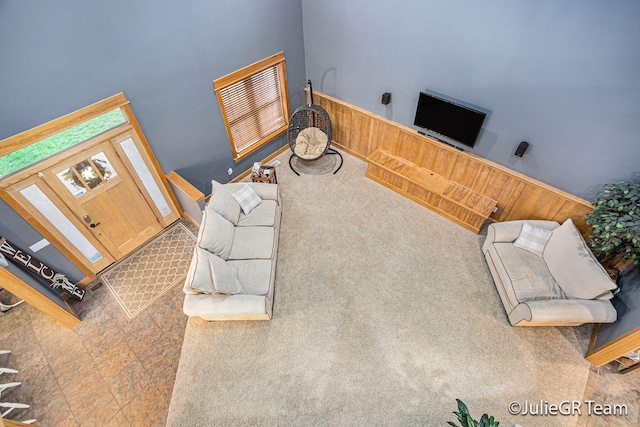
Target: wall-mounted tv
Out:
[444,118]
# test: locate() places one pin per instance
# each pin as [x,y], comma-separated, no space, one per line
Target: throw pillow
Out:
[532,239]
[247,198]
[222,202]
[225,277]
[216,234]
[573,266]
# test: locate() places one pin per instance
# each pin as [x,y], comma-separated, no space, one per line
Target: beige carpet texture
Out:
[384,314]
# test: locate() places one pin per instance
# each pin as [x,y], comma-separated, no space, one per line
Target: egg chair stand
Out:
[309,133]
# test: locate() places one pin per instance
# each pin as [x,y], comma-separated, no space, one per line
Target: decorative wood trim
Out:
[12,423]
[158,179]
[247,71]
[184,189]
[128,112]
[360,132]
[270,157]
[614,348]
[184,185]
[62,155]
[19,288]
[257,67]
[28,137]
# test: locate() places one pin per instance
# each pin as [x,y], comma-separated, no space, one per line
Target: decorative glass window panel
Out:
[134,156]
[50,211]
[103,165]
[54,144]
[72,182]
[88,174]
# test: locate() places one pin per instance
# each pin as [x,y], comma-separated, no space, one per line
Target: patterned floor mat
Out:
[151,271]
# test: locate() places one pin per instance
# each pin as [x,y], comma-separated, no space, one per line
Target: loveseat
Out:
[546,275]
[232,273]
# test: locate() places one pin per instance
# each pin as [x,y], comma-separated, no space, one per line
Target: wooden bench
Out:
[448,198]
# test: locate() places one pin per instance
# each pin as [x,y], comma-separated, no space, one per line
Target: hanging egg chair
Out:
[309,133]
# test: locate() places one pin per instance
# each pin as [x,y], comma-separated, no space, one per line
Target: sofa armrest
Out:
[508,231]
[232,307]
[265,190]
[563,312]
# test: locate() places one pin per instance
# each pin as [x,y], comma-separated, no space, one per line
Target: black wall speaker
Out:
[386,98]
[521,148]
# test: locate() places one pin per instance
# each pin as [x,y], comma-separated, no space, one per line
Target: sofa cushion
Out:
[222,202]
[225,277]
[247,198]
[572,264]
[532,239]
[199,279]
[254,275]
[216,234]
[252,243]
[529,276]
[263,215]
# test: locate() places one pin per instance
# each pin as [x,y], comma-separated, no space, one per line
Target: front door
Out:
[98,189]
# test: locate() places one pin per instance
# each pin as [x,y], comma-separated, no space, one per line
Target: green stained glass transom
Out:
[47,147]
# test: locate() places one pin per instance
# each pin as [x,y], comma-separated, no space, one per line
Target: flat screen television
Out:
[444,118]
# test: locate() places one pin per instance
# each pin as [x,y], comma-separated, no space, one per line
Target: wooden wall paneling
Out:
[430,155]
[519,197]
[408,147]
[360,138]
[386,137]
[511,202]
[375,141]
[535,203]
[371,141]
[444,162]
[499,186]
[577,212]
[465,171]
[340,121]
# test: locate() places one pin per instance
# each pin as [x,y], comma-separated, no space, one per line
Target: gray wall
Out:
[18,231]
[562,75]
[59,56]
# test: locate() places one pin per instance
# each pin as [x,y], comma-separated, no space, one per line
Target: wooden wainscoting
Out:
[518,196]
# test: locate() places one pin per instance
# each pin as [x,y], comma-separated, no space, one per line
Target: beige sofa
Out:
[562,285]
[232,273]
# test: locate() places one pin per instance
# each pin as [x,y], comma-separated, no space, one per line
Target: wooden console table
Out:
[450,199]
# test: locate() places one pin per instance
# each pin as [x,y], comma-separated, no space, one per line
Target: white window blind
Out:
[254,104]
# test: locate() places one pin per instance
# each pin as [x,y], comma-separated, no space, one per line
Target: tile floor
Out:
[105,372]
[108,371]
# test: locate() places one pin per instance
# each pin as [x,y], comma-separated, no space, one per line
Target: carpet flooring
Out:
[151,271]
[384,314]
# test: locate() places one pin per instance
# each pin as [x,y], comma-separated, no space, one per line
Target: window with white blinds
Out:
[254,104]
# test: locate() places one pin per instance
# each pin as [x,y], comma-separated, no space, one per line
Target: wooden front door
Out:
[99,190]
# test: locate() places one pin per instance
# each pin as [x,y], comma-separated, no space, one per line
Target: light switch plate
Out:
[39,245]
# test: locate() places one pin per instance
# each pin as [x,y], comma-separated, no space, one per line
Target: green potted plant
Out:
[466,421]
[616,223]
